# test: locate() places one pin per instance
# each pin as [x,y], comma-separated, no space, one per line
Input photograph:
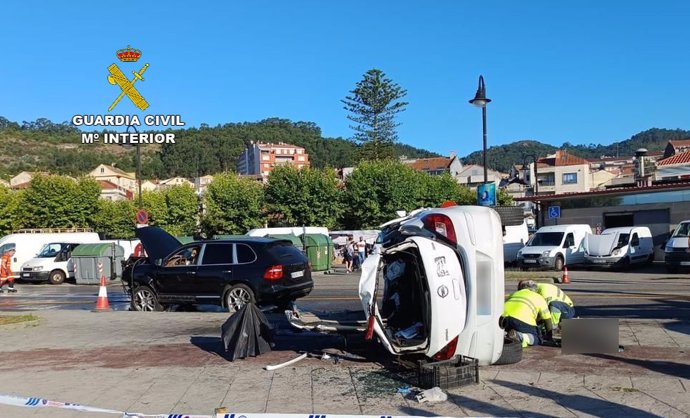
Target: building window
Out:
[265,157]
[300,158]
[102,170]
[569,178]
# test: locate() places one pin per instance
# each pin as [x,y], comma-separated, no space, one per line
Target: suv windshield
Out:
[682,230]
[546,239]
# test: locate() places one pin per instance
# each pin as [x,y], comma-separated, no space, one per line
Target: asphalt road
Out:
[650,293]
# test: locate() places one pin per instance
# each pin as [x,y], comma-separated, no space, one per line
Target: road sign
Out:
[142,217]
[554,212]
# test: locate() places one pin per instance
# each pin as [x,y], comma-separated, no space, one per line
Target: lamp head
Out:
[480,99]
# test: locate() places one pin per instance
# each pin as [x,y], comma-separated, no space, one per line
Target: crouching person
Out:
[522,312]
[560,305]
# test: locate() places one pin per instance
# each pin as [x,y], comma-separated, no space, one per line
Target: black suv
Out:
[229,273]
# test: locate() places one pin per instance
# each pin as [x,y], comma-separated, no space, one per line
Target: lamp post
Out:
[138,163]
[534,159]
[480,100]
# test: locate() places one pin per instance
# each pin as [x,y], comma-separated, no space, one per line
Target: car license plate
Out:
[26,275]
[530,261]
[599,261]
[297,274]
[685,263]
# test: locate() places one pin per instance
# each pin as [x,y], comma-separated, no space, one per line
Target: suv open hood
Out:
[157,242]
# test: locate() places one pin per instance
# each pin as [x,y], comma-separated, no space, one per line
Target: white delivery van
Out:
[296,231]
[29,243]
[676,251]
[554,247]
[51,263]
[619,247]
[514,238]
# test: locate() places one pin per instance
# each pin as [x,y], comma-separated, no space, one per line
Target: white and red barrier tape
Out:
[45,403]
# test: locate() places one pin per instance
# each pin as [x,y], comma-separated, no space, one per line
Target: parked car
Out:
[229,273]
[514,239]
[676,251]
[554,247]
[619,247]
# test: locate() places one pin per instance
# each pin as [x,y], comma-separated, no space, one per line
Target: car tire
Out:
[625,264]
[511,354]
[559,263]
[56,277]
[238,295]
[144,299]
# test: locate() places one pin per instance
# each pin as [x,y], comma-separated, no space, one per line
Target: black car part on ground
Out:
[247,333]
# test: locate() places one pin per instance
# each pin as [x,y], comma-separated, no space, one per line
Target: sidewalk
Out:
[171,362]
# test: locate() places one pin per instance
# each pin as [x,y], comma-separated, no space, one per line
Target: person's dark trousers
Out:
[519,326]
[566,311]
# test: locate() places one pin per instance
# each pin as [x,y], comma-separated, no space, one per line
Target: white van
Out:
[29,243]
[296,231]
[619,247]
[676,252]
[51,263]
[554,247]
[514,238]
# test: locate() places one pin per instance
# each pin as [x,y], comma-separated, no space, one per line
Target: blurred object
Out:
[247,333]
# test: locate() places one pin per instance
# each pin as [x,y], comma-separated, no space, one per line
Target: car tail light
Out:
[448,351]
[274,272]
[441,224]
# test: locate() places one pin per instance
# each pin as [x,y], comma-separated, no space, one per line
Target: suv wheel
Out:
[145,299]
[56,277]
[558,265]
[237,296]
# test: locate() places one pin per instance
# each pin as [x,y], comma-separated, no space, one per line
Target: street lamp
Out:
[536,184]
[480,100]
[138,162]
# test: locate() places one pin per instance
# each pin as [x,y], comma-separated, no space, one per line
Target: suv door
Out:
[215,271]
[175,279]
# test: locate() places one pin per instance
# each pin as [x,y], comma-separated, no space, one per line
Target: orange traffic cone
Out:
[565,279]
[102,301]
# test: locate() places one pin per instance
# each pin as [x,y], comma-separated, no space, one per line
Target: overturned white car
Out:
[435,286]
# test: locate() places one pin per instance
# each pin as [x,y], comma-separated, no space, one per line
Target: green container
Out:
[185,239]
[319,250]
[87,257]
[227,236]
[296,241]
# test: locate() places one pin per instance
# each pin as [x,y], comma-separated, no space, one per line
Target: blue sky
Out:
[583,72]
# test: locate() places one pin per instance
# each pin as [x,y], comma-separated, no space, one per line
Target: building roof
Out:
[271,145]
[609,191]
[680,158]
[680,143]
[105,184]
[115,170]
[24,185]
[426,164]
[561,158]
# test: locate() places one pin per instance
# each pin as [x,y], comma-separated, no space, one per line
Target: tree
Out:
[376,190]
[60,202]
[233,205]
[297,197]
[373,105]
[12,209]
[115,219]
[174,209]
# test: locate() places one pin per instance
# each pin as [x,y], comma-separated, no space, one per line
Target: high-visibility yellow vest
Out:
[527,306]
[553,293]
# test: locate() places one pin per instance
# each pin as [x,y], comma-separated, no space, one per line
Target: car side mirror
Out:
[158,262]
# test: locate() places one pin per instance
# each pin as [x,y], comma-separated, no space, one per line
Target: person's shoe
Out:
[12,290]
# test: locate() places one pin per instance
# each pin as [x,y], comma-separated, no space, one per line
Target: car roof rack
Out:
[51,230]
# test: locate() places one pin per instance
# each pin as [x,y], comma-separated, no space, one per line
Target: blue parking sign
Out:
[554,212]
